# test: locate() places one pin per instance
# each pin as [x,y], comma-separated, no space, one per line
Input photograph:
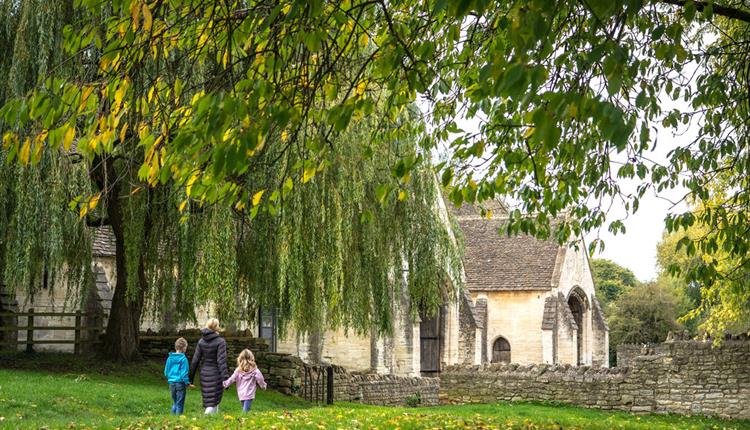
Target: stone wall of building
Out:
[682,377]
[517,317]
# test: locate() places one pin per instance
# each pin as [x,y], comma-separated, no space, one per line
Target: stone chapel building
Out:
[525,301]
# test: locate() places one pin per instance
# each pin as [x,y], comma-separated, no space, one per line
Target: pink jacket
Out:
[247,382]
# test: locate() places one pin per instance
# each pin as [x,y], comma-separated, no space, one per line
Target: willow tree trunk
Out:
[121,338]
[123,325]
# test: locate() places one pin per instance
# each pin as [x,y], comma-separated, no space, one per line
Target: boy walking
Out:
[176,370]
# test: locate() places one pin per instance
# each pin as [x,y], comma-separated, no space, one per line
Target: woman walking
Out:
[211,356]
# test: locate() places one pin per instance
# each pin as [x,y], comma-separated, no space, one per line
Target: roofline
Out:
[491,289]
[562,252]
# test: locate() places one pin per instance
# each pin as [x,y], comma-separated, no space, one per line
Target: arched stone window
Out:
[501,351]
[578,303]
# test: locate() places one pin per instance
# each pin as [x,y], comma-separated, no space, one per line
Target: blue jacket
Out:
[177,368]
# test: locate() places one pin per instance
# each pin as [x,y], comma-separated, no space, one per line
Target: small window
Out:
[501,351]
[267,327]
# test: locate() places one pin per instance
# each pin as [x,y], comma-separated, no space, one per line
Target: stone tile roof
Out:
[598,314]
[103,244]
[498,208]
[550,313]
[557,305]
[103,290]
[469,303]
[494,261]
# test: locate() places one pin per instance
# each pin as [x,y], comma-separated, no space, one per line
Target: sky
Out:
[636,248]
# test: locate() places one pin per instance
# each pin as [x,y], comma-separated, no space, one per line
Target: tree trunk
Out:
[121,338]
[123,325]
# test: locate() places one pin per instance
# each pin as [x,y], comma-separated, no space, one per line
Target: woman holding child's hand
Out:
[211,356]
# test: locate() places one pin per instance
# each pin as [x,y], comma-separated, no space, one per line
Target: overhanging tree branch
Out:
[725,11]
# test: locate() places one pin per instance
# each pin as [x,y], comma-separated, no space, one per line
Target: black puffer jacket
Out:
[211,356]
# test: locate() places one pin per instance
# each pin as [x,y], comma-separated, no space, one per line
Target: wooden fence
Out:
[78,328]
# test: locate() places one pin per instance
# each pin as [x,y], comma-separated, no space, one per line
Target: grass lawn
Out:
[62,392]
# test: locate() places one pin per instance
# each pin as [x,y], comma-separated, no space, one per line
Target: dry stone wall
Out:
[155,345]
[683,377]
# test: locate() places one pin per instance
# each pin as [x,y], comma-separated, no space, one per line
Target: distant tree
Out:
[611,280]
[644,314]
[667,255]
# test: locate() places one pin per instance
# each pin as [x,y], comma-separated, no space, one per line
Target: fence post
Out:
[77,337]
[30,331]
[329,385]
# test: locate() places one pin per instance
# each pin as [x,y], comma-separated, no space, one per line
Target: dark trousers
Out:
[178,391]
[246,405]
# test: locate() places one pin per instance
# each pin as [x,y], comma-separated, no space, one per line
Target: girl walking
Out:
[248,378]
[211,356]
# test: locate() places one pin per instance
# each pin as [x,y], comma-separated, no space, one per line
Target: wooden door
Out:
[429,344]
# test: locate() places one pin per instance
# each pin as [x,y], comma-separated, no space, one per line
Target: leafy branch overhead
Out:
[565,97]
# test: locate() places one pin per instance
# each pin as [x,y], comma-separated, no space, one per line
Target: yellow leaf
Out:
[489,214]
[190,183]
[147,18]
[135,11]
[364,39]
[70,134]
[528,132]
[308,174]
[23,155]
[472,184]
[94,201]
[240,205]
[120,93]
[402,195]
[37,152]
[257,196]
[361,87]
[285,10]
[9,138]
[177,87]
[123,132]
[284,135]
[182,205]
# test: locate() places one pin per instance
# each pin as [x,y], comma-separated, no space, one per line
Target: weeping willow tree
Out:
[330,221]
[38,232]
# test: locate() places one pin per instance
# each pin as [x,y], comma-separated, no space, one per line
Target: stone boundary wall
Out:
[389,390]
[155,345]
[286,373]
[682,377]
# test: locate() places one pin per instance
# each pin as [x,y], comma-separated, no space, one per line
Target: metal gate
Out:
[317,384]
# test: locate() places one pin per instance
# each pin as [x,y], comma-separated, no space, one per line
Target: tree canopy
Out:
[566,95]
[329,242]
[611,280]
